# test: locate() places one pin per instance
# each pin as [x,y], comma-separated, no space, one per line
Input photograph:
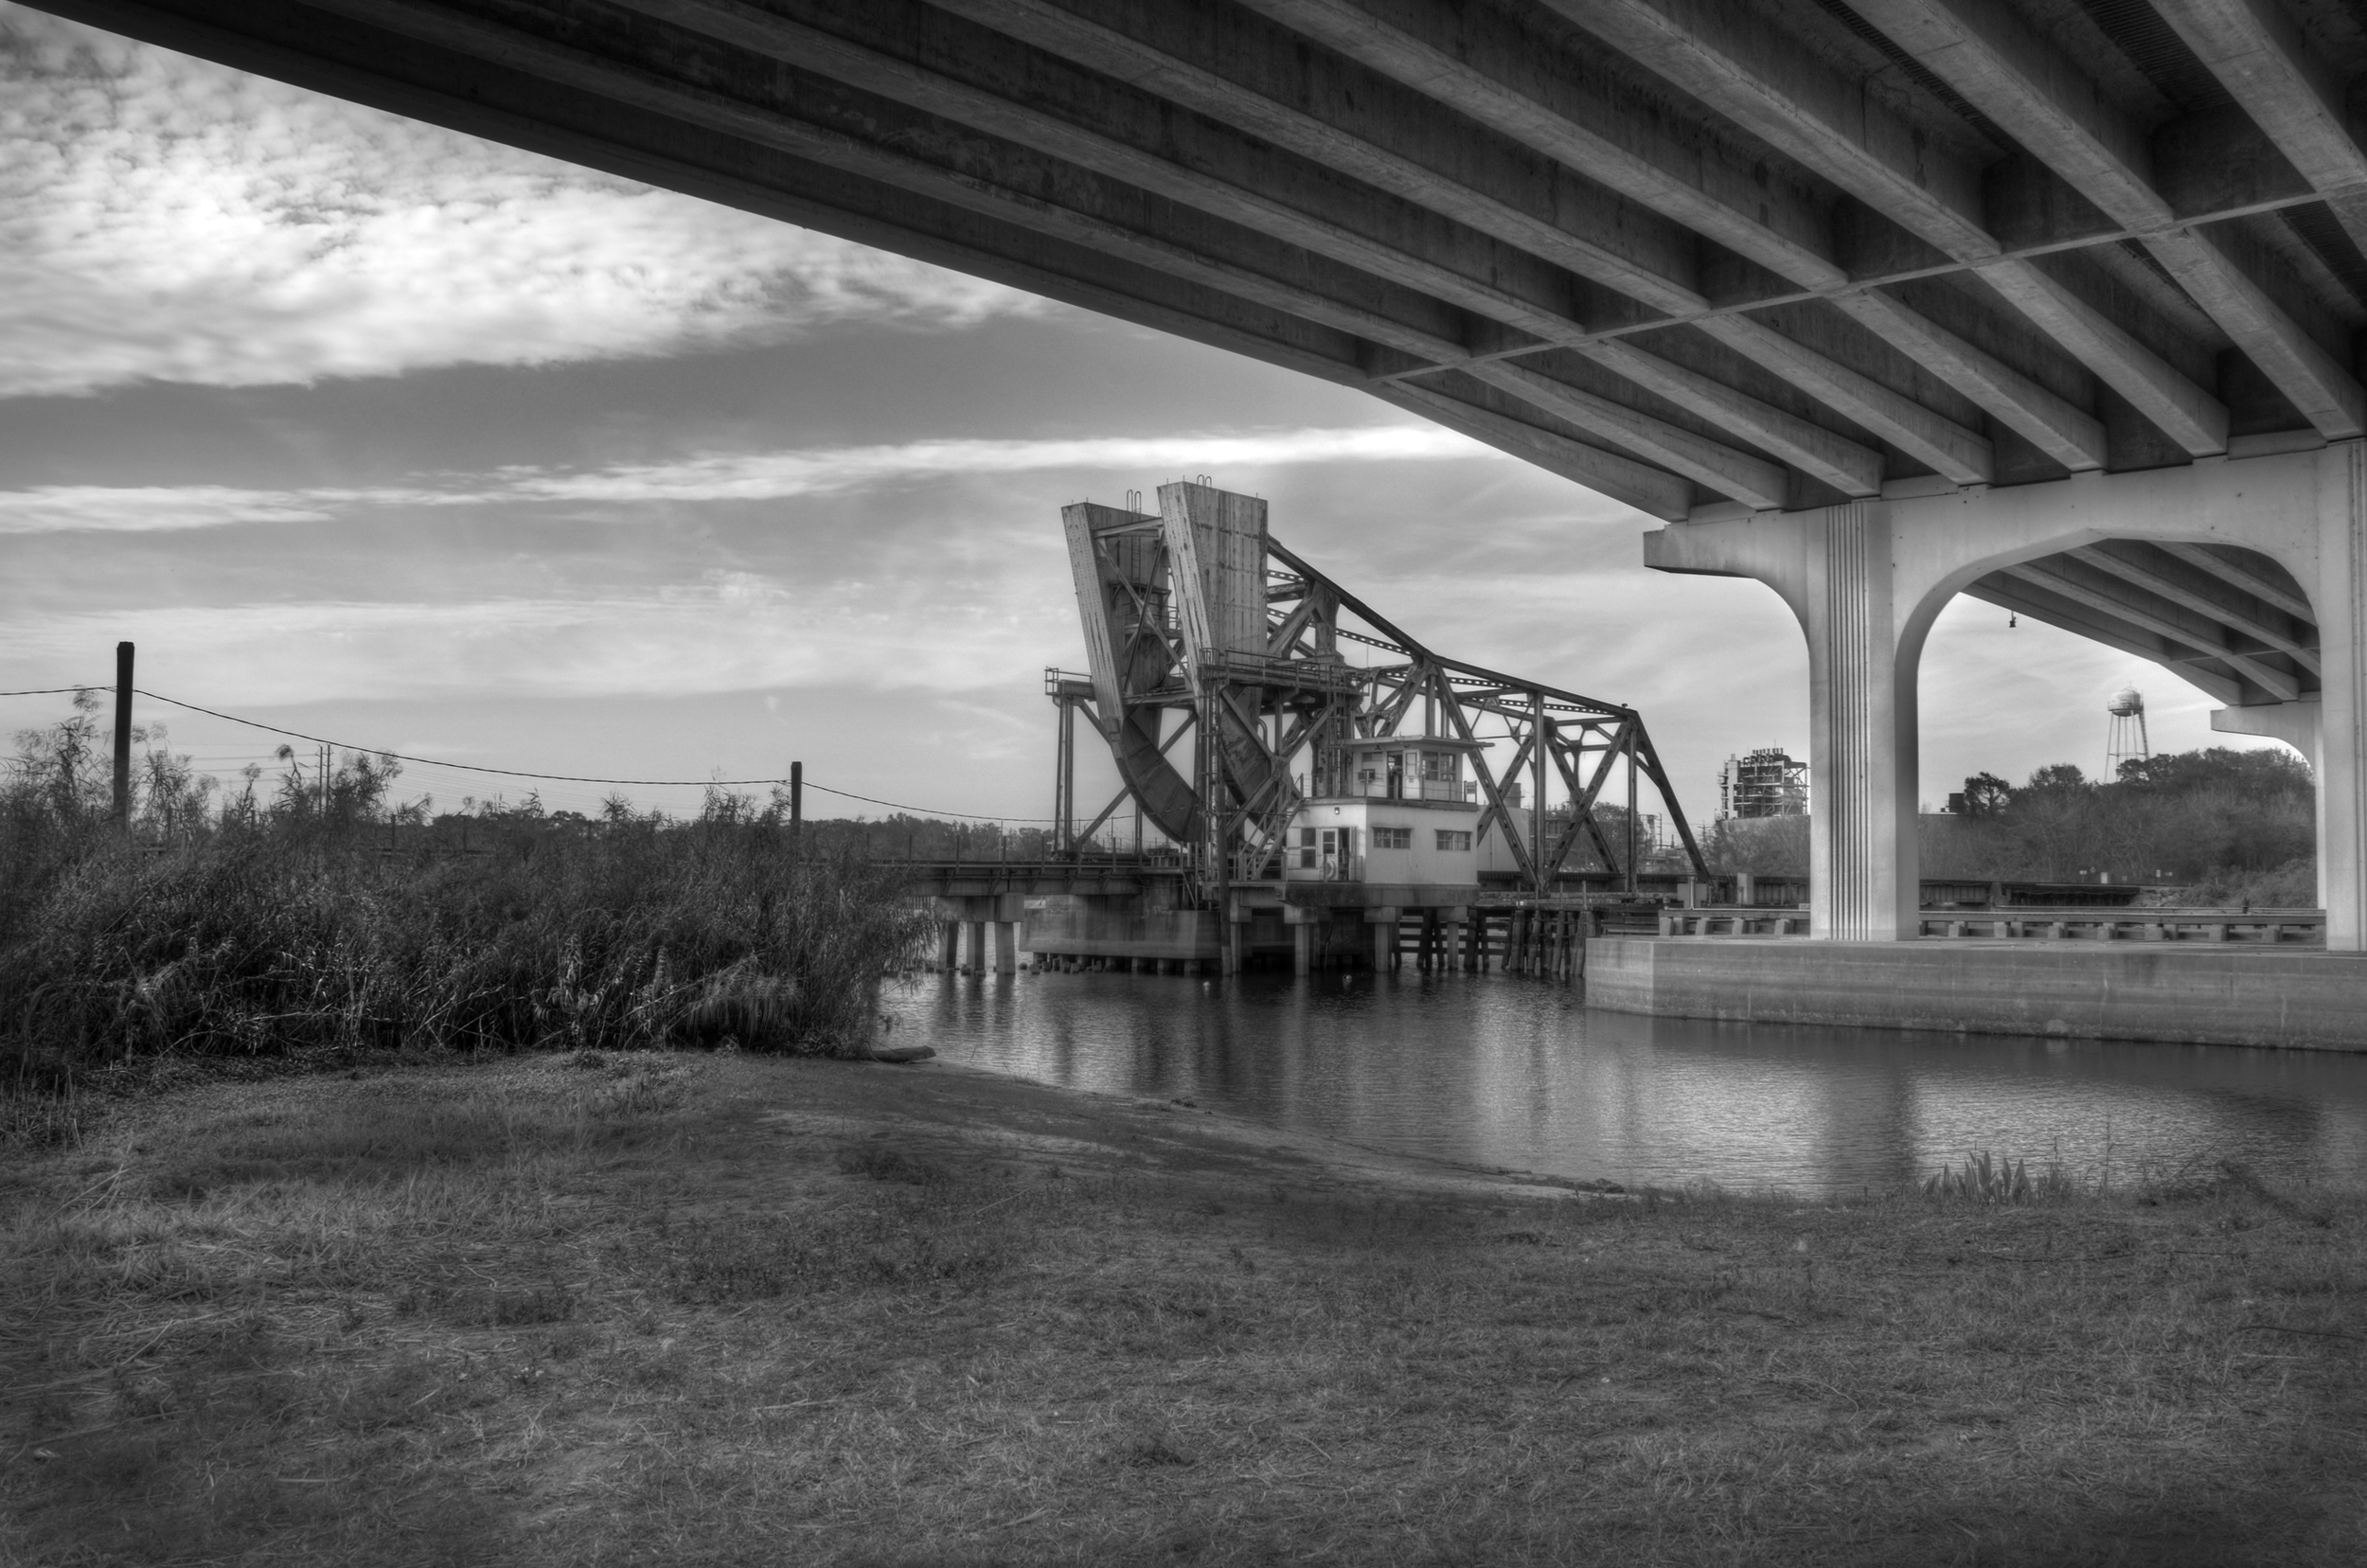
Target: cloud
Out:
[759,477]
[727,631]
[162,218]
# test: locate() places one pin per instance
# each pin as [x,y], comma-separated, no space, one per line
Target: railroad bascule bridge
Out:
[1317,805]
[2052,302]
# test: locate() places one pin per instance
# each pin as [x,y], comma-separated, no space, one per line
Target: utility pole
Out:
[123,738]
[796,808]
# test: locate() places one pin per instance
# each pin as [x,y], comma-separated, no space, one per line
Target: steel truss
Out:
[1201,627]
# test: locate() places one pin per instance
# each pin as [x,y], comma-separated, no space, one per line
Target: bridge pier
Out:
[1867,579]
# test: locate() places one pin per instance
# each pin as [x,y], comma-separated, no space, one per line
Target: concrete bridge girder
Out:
[1866,581]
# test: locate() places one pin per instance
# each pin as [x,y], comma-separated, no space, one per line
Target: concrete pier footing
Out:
[2193,994]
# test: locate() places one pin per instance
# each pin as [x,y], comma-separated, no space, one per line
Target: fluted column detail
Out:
[1856,748]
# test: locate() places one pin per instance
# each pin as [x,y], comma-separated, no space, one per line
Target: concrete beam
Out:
[2300,725]
[2060,575]
[2024,599]
[2244,575]
[2327,395]
[1848,465]
[2070,434]
[2184,412]
[1710,464]
[1484,64]
[488,98]
[1741,65]
[2173,578]
[994,84]
[2055,109]
[1746,64]
[1956,454]
[2291,91]
[1090,212]
[1239,71]
[1647,488]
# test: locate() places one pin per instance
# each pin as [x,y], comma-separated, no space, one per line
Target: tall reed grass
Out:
[296,927]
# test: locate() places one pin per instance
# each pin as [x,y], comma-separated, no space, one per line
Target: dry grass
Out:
[725,1310]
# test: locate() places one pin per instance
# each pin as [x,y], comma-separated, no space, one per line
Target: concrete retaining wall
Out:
[2183,992]
[1090,926]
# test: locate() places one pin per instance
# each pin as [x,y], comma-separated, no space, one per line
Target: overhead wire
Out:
[560,779]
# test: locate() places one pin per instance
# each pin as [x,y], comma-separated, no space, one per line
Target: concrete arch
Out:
[1867,579]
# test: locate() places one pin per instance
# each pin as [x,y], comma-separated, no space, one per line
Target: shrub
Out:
[314,924]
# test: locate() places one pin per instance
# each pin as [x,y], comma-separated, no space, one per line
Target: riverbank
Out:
[716,1308]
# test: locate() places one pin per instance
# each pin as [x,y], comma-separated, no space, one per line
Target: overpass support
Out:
[1866,579]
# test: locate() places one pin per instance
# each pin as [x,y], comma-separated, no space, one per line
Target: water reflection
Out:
[1512,1072]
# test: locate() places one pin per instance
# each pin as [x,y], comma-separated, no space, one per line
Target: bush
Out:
[328,921]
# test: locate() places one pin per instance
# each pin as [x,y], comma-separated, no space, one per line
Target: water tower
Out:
[2125,741]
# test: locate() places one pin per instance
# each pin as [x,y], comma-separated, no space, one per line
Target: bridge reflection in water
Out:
[1508,1072]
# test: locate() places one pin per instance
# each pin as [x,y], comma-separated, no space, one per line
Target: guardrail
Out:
[1737,920]
[2262,927]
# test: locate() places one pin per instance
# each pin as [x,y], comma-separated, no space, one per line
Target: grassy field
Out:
[731,1309]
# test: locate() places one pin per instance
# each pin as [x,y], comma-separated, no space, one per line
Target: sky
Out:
[375,431]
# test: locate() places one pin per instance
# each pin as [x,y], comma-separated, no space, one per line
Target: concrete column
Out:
[1867,579]
[1861,734]
[1303,949]
[977,946]
[2340,597]
[1384,930]
[950,946]
[1006,947]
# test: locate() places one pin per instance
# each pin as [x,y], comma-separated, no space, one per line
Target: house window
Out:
[1306,848]
[1454,838]
[1393,838]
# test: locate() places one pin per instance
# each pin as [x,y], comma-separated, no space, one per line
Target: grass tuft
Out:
[548,1309]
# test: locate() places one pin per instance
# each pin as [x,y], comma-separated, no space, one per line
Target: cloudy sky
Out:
[367,429]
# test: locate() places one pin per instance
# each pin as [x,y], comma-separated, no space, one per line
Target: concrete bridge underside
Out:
[2052,302]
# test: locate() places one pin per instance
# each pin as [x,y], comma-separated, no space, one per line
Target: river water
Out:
[1503,1070]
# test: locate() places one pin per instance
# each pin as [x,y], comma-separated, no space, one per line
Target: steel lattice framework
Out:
[1200,626]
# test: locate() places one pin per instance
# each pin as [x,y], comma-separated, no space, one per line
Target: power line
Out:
[561,778]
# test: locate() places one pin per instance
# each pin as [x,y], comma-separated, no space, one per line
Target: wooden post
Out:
[796,808]
[123,738]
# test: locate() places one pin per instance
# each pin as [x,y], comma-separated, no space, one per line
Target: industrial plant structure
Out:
[1308,802]
[1764,783]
